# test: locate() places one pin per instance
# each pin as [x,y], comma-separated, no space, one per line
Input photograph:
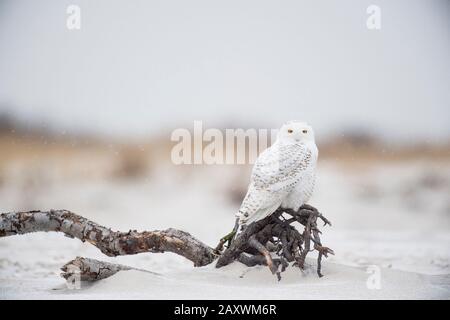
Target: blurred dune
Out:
[32,157]
[47,153]
[389,204]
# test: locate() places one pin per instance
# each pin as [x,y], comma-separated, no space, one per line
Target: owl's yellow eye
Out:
[305,131]
[290,130]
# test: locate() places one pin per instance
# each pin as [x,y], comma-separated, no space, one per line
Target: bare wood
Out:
[240,244]
[86,269]
[252,246]
[111,243]
[264,252]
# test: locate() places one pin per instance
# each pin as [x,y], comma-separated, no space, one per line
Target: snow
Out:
[239,282]
[382,216]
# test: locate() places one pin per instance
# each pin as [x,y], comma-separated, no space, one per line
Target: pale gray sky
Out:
[139,67]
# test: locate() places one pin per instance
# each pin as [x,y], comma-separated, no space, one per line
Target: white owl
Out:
[283,175]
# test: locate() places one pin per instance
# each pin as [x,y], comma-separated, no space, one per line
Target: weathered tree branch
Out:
[111,243]
[86,269]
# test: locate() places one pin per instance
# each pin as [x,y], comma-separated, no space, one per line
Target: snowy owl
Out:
[283,175]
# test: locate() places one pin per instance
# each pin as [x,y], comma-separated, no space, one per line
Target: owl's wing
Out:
[275,174]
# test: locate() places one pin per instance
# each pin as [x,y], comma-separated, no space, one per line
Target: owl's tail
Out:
[258,215]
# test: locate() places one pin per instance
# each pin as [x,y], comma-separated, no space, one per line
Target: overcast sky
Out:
[141,67]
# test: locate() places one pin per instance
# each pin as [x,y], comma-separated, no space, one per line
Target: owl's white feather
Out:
[283,175]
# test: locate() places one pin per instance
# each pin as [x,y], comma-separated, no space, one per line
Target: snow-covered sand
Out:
[239,282]
[383,218]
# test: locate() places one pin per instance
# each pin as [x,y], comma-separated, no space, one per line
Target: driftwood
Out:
[255,245]
[86,269]
[276,234]
[111,243]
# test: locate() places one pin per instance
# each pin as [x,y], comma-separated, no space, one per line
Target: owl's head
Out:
[296,131]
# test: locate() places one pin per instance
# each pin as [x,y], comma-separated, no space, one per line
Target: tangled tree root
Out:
[276,235]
